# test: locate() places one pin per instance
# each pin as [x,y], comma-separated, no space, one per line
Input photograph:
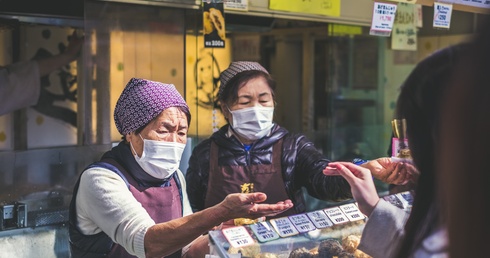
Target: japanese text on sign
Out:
[383,18]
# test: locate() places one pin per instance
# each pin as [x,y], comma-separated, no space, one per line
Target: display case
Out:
[334,231]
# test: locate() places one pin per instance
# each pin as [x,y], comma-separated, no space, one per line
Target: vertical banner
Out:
[404,29]
[214,24]
[383,18]
[442,15]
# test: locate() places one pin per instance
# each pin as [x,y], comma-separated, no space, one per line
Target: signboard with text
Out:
[214,24]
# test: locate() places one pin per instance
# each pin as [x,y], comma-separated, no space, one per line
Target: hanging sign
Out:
[404,28]
[442,15]
[418,16]
[321,7]
[213,24]
[475,3]
[238,5]
[404,1]
[383,18]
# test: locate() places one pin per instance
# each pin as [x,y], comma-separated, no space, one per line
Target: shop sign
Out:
[475,3]
[383,18]
[342,29]
[213,24]
[404,28]
[321,7]
[238,5]
[442,15]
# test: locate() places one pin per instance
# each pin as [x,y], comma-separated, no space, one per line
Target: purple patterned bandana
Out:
[143,100]
[236,68]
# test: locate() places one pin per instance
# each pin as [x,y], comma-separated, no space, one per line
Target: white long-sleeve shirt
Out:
[384,230]
[104,203]
[20,86]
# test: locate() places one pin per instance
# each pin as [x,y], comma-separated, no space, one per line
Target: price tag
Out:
[406,198]
[319,219]
[336,215]
[302,223]
[263,231]
[393,200]
[284,227]
[352,212]
[238,236]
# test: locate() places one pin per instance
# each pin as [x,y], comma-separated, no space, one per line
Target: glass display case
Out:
[334,231]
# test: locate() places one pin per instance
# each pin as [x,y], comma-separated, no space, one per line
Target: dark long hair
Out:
[419,103]
[463,170]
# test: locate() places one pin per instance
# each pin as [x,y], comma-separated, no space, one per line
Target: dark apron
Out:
[266,178]
[162,204]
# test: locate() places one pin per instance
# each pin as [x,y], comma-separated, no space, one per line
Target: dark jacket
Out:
[302,166]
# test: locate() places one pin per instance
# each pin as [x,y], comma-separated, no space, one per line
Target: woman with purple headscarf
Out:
[133,202]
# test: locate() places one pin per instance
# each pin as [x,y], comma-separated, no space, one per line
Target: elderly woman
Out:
[252,153]
[133,202]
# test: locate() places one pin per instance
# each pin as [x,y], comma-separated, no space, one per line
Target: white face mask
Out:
[160,159]
[252,123]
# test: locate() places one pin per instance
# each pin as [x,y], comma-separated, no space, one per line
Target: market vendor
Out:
[133,202]
[254,153]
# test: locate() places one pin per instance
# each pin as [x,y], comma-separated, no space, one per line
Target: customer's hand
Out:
[360,181]
[242,205]
[392,172]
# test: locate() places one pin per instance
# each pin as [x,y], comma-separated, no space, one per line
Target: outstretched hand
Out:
[392,172]
[240,205]
[360,181]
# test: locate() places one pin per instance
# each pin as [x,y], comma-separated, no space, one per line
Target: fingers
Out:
[347,170]
[255,197]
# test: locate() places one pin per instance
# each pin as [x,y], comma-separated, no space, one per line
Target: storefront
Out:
[335,83]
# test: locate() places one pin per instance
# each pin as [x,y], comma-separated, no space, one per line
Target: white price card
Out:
[336,215]
[383,18]
[238,236]
[284,227]
[406,199]
[319,219]
[352,212]
[302,223]
[263,231]
[442,15]
[239,5]
[394,200]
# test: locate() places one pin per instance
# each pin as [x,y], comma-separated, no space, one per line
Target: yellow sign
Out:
[321,7]
[404,1]
[341,29]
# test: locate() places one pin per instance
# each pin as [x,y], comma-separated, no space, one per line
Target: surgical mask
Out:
[252,123]
[160,159]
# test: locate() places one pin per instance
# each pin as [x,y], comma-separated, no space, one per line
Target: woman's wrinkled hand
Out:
[241,205]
